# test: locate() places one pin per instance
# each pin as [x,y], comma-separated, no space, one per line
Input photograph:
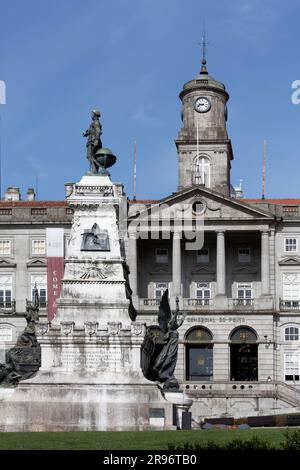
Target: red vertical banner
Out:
[55,267]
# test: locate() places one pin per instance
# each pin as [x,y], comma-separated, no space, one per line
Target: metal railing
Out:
[151,302]
[199,302]
[240,303]
[212,304]
[289,305]
[288,393]
[8,306]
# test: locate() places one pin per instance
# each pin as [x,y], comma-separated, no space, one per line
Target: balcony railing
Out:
[8,307]
[151,302]
[289,305]
[214,304]
[199,302]
[243,303]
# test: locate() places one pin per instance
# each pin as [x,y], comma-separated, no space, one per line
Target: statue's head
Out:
[95,114]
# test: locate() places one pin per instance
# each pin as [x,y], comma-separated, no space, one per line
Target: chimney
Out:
[12,194]
[30,194]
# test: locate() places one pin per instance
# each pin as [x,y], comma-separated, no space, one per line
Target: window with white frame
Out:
[202,171]
[203,255]
[5,247]
[159,289]
[291,289]
[291,366]
[244,293]
[40,281]
[38,247]
[203,292]
[291,333]
[244,255]
[6,333]
[290,245]
[161,255]
[5,291]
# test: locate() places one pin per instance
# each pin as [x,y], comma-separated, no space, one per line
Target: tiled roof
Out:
[144,201]
[137,201]
[33,204]
[272,201]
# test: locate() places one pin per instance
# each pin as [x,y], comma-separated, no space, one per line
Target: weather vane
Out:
[204,45]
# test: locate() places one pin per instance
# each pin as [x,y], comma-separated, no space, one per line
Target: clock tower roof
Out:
[204,81]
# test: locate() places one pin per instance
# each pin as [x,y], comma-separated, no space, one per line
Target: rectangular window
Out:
[203,292]
[5,247]
[159,289]
[161,255]
[291,333]
[291,366]
[244,255]
[39,211]
[5,334]
[5,211]
[203,255]
[5,291]
[291,288]
[40,281]
[290,245]
[38,247]
[290,209]
[244,294]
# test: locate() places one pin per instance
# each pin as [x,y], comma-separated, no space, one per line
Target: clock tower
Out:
[204,150]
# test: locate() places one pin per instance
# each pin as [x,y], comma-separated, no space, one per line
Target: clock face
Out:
[202,104]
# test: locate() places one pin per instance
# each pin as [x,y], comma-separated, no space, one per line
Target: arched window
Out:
[199,354]
[291,333]
[6,333]
[202,171]
[243,334]
[243,354]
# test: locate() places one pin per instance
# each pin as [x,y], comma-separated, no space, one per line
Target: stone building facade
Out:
[239,286]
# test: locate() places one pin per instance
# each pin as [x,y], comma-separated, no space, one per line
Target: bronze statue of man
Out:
[93,143]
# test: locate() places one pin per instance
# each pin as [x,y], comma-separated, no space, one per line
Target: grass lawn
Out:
[146,440]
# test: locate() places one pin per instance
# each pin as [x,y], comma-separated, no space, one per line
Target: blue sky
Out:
[130,59]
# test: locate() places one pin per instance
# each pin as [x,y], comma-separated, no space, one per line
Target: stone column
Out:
[176,265]
[221,267]
[265,263]
[132,261]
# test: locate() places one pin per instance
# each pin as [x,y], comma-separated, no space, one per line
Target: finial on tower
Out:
[203,63]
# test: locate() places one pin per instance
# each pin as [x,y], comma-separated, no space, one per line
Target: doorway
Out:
[243,355]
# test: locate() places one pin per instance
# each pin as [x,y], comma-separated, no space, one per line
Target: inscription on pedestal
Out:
[100,358]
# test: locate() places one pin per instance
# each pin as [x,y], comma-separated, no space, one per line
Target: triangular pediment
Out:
[203,270]
[161,271]
[37,263]
[216,206]
[290,261]
[245,270]
[7,263]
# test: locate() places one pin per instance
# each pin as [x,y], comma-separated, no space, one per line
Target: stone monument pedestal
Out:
[90,376]
[90,380]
